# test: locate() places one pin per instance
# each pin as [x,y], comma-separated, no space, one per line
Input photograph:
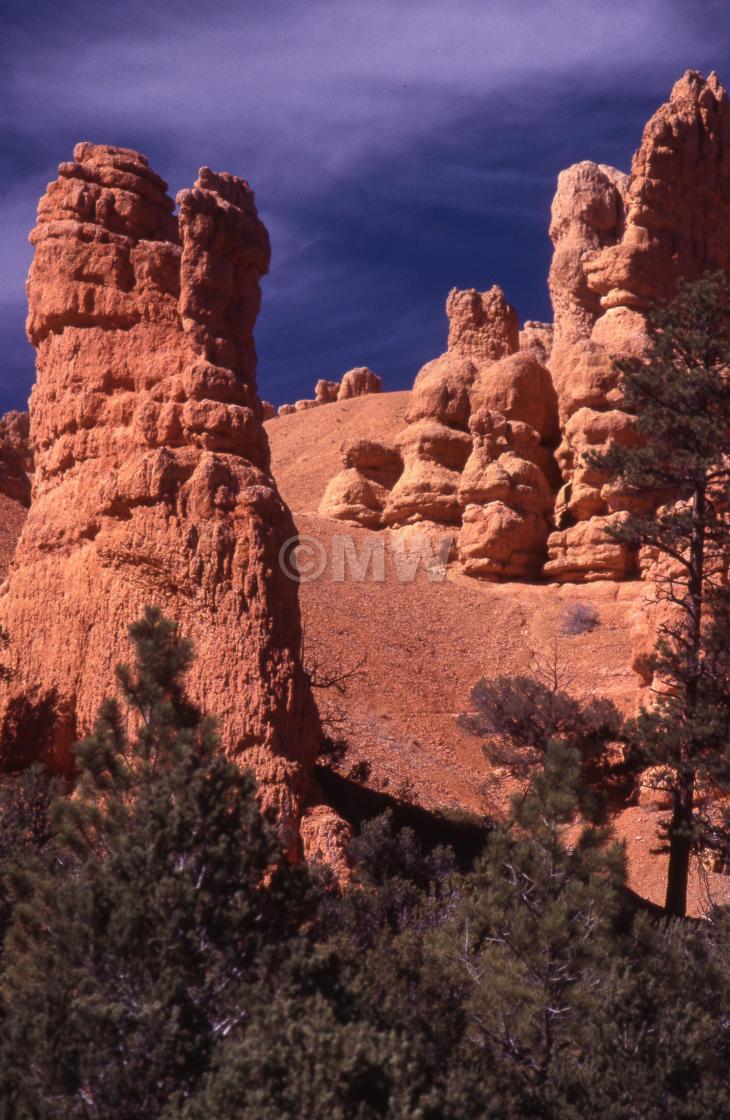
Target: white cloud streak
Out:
[321,103]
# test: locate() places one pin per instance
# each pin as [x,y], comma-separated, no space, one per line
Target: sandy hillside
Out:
[416,649]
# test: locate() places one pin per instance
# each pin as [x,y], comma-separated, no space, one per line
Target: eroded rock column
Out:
[621,244]
[152,483]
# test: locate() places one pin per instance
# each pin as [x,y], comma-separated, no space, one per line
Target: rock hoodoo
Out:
[620,244]
[436,444]
[358,383]
[360,491]
[476,454]
[152,481]
[506,500]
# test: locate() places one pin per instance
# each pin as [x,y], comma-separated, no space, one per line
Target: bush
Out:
[517,717]
[579,618]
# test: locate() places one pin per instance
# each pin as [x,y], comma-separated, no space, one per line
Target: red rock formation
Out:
[16,466]
[152,481]
[326,391]
[480,381]
[482,329]
[355,383]
[621,243]
[427,490]
[504,525]
[325,838]
[506,500]
[537,339]
[677,201]
[360,491]
[358,382]
[482,325]
[16,459]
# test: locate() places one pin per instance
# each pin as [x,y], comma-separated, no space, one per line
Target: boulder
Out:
[427,490]
[359,492]
[326,391]
[497,541]
[586,552]
[351,496]
[654,789]
[520,388]
[358,383]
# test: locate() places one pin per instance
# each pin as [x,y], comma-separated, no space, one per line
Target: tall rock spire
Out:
[621,244]
[152,482]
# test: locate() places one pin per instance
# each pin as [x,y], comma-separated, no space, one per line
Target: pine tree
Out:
[125,973]
[533,932]
[26,836]
[679,392]
[518,717]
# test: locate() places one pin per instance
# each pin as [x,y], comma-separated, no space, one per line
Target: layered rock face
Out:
[152,481]
[621,243]
[16,467]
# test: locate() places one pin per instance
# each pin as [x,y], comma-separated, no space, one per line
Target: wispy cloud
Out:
[369,131]
[309,91]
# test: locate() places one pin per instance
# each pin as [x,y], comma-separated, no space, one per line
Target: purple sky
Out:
[397,149]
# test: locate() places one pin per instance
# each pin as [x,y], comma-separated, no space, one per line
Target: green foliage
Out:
[26,838]
[527,714]
[535,924]
[678,471]
[680,394]
[123,974]
[518,718]
[656,1042]
[163,960]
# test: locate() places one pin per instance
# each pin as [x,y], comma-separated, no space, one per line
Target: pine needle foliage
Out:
[678,472]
